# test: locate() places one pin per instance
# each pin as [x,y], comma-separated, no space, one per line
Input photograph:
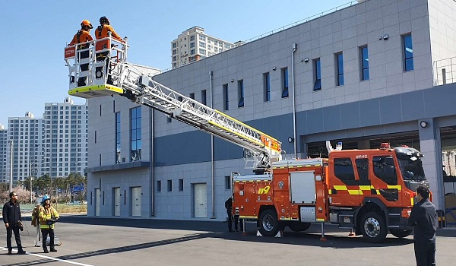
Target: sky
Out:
[34,34]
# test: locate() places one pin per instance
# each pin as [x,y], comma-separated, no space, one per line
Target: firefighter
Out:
[48,216]
[82,37]
[101,32]
[424,218]
[12,218]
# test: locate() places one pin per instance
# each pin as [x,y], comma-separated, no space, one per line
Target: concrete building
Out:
[26,133]
[4,175]
[193,45]
[65,138]
[373,72]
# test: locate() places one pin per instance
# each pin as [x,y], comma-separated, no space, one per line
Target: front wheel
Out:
[400,233]
[269,224]
[373,227]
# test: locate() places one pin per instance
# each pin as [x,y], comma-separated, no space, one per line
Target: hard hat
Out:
[105,20]
[86,23]
[45,197]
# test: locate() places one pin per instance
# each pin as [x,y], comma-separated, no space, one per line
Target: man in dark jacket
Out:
[229,206]
[12,219]
[424,218]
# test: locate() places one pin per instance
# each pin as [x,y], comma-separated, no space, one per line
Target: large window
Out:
[362,166]
[340,69]
[118,156]
[284,82]
[225,97]
[267,87]
[135,134]
[317,74]
[240,93]
[343,169]
[364,55]
[408,52]
[384,169]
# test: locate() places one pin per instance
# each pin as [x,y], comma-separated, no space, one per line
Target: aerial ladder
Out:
[109,73]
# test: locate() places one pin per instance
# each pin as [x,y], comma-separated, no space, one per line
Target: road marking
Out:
[51,258]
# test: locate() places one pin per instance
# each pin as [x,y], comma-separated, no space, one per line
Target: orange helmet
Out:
[86,23]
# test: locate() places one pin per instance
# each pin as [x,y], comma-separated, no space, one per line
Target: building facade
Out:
[193,45]
[64,138]
[4,175]
[373,72]
[26,133]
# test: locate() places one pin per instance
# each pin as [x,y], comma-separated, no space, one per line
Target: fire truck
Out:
[368,191]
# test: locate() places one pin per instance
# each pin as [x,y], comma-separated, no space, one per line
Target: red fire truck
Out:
[369,191]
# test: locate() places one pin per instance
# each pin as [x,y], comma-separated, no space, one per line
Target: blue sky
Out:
[32,70]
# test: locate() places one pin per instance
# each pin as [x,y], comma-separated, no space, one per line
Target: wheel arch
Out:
[262,209]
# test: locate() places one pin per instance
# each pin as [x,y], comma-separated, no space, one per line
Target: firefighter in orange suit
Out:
[101,32]
[83,36]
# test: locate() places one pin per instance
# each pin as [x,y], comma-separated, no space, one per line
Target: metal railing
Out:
[445,71]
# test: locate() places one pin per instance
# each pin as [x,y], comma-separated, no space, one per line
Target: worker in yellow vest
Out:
[48,217]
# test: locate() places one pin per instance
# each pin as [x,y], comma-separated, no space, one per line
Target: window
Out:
[170,185]
[364,55]
[225,97]
[240,93]
[284,82]
[202,44]
[339,69]
[317,74]
[202,51]
[408,52]
[343,169]
[192,38]
[192,45]
[362,166]
[384,169]
[174,52]
[192,96]
[174,45]
[118,158]
[204,97]
[135,134]
[159,186]
[192,52]
[227,182]
[202,38]
[181,184]
[267,87]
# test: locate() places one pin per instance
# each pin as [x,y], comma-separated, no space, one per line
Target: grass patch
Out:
[63,208]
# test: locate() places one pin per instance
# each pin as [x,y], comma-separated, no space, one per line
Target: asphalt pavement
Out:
[111,241]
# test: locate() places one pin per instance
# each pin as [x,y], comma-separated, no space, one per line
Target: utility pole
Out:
[11,166]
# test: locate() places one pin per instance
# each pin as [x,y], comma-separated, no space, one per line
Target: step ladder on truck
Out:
[370,192]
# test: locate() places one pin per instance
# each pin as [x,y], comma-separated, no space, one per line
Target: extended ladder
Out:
[131,82]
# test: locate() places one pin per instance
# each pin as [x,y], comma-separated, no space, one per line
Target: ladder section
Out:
[141,89]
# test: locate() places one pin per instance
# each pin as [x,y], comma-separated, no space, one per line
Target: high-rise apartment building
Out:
[193,45]
[26,134]
[3,151]
[65,138]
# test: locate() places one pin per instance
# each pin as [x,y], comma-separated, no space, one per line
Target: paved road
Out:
[107,241]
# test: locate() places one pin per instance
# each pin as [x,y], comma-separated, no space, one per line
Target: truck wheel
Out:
[400,233]
[299,227]
[373,227]
[269,224]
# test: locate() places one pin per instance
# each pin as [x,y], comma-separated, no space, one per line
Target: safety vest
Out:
[46,215]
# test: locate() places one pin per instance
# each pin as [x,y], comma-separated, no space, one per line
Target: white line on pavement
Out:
[51,258]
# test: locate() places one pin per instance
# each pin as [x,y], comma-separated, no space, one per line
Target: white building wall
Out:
[4,175]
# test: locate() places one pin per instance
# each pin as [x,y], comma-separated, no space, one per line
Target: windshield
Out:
[411,168]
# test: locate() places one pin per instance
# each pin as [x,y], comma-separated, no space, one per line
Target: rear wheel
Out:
[269,224]
[400,233]
[373,227]
[299,227]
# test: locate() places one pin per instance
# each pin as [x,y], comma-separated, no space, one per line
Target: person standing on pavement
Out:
[12,218]
[229,207]
[424,218]
[48,216]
